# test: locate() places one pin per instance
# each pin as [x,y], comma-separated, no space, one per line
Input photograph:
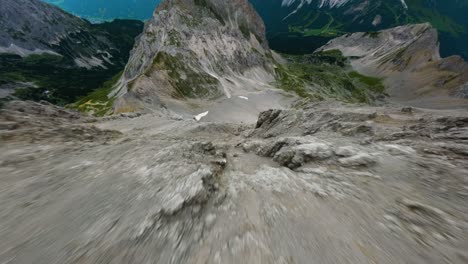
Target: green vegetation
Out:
[185,80]
[57,78]
[53,78]
[372,34]
[310,27]
[98,103]
[318,26]
[324,75]
[373,83]
[174,38]
[421,12]
[122,33]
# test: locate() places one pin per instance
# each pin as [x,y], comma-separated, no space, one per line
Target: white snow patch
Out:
[200,116]
[243,97]
[89,63]
[321,4]
[404,4]
[25,52]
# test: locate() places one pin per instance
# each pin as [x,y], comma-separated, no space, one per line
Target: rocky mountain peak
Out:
[237,13]
[195,49]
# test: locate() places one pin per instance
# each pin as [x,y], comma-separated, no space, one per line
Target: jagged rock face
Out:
[33,27]
[195,49]
[408,56]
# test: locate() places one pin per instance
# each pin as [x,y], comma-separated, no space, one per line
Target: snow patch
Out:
[200,116]
[243,97]
[404,4]
[89,63]
[321,4]
[13,49]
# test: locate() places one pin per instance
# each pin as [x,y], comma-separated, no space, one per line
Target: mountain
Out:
[301,26]
[408,58]
[229,152]
[104,10]
[205,55]
[196,49]
[44,49]
[197,53]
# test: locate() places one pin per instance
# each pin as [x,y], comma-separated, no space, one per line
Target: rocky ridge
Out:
[408,57]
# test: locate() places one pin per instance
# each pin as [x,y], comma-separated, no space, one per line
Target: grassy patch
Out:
[326,75]
[184,79]
[174,38]
[373,83]
[321,25]
[98,102]
[58,79]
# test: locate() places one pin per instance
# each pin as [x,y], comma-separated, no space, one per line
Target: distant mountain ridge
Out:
[46,53]
[301,26]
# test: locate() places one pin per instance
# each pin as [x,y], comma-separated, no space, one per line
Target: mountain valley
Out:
[58,57]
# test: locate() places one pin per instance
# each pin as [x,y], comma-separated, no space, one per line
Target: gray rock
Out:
[361,159]
[407,110]
[296,156]
[195,49]
[346,151]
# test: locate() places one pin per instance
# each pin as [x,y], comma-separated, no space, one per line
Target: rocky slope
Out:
[196,49]
[408,57]
[331,182]
[38,39]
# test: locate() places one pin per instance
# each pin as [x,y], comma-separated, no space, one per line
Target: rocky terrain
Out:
[332,182]
[409,60]
[213,149]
